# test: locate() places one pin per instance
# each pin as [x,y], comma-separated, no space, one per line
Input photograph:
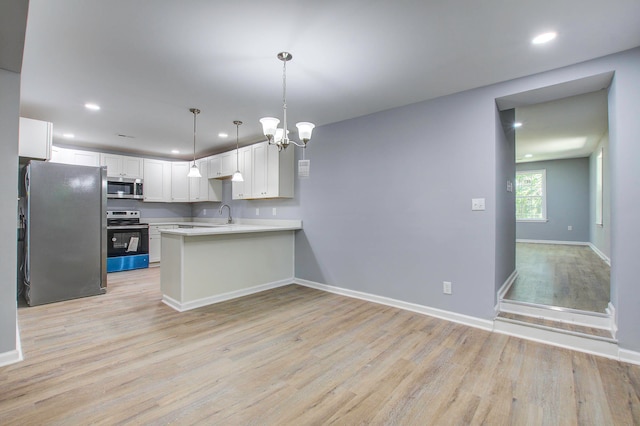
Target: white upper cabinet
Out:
[203,188]
[122,166]
[222,165]
[75,156]
[157,181]
[35,139]
[272,171]
[180,181]
[243,190]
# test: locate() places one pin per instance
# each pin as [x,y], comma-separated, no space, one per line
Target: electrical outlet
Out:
[477,204]
[570,228]
[273,212]
[257,211]
[446,287]
[204,212]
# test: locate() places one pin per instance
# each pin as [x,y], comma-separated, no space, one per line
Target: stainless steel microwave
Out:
[124,188]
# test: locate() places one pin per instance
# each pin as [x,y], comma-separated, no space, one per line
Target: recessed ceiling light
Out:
[175,151]
[528,155]
[544,38]
[68,135]
[223,135]
[517,124]
[92,107]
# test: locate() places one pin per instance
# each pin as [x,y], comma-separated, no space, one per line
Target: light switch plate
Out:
[477,204]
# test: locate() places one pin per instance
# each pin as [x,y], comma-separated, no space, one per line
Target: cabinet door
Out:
[214,166]
[132,167]
[34,140]
[228,166]
[259,173]
[198,186]
[243,190]
[60,155]
[84,158]
[180,182]
[280,171]
[113,163]
[157,181]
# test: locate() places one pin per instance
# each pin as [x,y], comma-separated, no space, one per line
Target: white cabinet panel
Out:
[35,139]
[243,190]
[157,181]
[155,247]
[75,156]
[222,165]
[122,166]
[180,181]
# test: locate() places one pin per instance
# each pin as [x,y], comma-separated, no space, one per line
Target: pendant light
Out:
[237,176]
[280,137]
[193,171]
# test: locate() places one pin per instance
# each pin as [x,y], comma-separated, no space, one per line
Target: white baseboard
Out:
[605,349]
[601,254]
[570,243]
[504,288]
[632,357]
[420,309]
[11,357]
[187,306]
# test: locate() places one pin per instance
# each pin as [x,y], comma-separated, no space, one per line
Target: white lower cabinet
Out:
[155,240]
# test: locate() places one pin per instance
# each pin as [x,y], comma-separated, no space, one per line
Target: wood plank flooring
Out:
[561,275]
[293,355]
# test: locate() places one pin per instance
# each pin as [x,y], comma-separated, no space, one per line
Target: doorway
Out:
[562,229]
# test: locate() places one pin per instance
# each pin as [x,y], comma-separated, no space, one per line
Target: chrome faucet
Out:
[229,219]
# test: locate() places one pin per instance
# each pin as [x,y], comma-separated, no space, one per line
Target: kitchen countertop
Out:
[238,227]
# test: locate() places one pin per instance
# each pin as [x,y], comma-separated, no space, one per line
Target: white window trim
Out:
[544,194]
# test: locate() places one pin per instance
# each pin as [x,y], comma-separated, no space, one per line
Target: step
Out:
[566,315]
[585,339]
[560,326]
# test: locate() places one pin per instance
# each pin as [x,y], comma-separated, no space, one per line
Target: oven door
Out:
[127,240]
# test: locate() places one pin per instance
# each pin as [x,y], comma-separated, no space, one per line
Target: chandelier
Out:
[280,136]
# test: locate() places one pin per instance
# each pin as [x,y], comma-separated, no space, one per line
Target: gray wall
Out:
[600,236]
[9,117]
[624,152]
[505,200]
[152,210]
[387,209]
[567,201]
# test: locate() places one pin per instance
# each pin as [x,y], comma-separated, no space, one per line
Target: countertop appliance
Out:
[65,230]
[124,188]
[127,241]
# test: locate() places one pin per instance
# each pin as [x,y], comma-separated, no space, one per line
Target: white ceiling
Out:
[566,128]
[146,62]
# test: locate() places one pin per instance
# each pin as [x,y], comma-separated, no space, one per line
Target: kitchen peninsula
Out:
[210,263]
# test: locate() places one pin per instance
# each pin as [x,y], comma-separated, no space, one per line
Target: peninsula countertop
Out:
[240,226]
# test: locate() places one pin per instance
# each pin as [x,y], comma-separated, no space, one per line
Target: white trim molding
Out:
[11,357]
[413,307]
[599,253]
[193,304]
[607,349]
[504,288]
[570,243]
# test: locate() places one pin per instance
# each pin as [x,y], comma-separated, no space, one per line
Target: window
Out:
[599,189]
[531,191]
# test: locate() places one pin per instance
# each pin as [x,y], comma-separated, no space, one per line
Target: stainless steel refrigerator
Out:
[65,247]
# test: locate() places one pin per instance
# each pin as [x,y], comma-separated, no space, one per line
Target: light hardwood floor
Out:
[561,275]
[293,355]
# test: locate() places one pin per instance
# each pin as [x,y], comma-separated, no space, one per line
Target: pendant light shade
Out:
[237,176]
[194,172]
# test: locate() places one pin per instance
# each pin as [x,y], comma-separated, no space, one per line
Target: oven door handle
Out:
[127,227]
